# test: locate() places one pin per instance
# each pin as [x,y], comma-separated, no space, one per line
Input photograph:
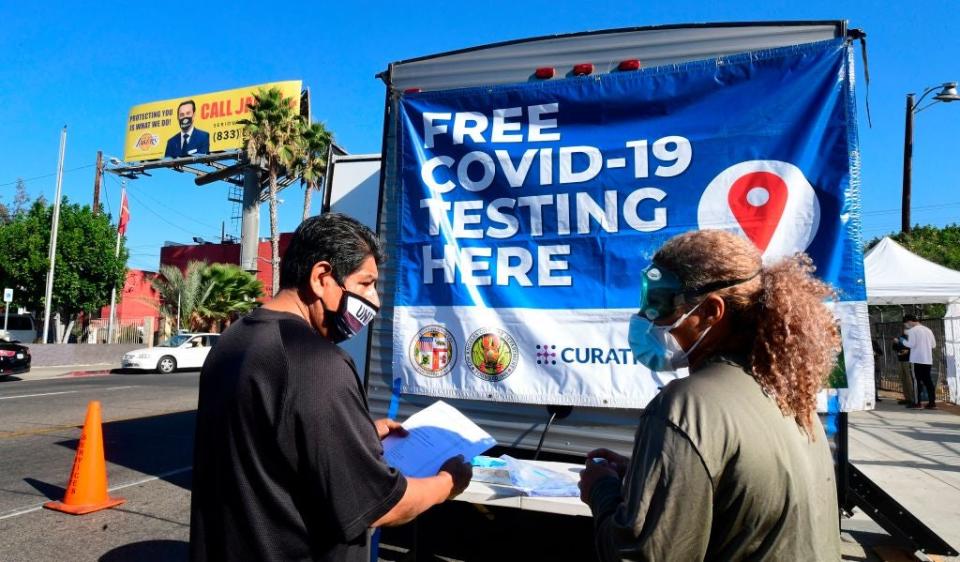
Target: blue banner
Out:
[555,194]
[521,205]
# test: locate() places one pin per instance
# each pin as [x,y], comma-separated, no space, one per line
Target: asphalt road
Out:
[148,423]
[148,440]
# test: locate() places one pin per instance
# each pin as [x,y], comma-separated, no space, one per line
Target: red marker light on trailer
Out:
[412,91]
[583,69]
[630,64]
[545,72]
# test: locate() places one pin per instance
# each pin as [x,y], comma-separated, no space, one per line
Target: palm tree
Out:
[181,291]
[272,136]
[315,141]
[204,295]
[228,292]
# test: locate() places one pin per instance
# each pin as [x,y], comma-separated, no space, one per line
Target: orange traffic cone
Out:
[87,488]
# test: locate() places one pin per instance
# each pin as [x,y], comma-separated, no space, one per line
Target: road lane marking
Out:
[33,395]
[63,392]
[21,511]
[39,506]
[55,428]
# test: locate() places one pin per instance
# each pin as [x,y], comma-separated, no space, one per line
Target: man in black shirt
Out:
[288,464]
[907,382]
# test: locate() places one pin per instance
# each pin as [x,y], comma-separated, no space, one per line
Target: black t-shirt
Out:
[287,463]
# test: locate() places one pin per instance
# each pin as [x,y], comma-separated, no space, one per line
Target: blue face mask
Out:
[655,347]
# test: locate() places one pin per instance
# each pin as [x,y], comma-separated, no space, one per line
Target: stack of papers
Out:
[436,433]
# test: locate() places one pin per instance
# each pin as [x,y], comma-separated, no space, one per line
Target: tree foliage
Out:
[206,295]
[284,143]
[938,244]
[311,163]
[86,268]
[228,292]
[18,205]
[179,291]
[273,132]
[21,201]
[941,245]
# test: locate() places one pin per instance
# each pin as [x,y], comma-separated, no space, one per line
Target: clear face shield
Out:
[661,294]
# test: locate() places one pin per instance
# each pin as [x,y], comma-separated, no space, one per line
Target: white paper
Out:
[436,433]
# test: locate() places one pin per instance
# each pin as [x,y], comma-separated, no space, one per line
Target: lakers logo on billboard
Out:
[433,351]
[147,141]
[492,354]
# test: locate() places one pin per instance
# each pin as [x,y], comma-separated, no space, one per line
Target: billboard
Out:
[194,125]
[527,211]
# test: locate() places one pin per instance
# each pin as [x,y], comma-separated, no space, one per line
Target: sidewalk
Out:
[914,455]
[40,373]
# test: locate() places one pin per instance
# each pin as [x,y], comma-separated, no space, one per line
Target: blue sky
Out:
[85,67]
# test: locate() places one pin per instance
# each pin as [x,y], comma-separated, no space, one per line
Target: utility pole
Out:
[97,181]
[948,93]
[907,166]
[53,235]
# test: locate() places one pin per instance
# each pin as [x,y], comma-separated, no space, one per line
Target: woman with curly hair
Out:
[730,463]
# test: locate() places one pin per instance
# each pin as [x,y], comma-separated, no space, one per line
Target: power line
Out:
[159,216]
[171,209]
[162,204]
[155,213]
[106,198]
[25,180]
[920,208]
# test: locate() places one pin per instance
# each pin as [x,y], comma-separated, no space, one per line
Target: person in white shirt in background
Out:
[921,342]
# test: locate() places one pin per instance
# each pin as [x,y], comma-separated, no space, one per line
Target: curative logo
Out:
[546,354]
[549,355]
[433,351]
[492,354]
[768,201]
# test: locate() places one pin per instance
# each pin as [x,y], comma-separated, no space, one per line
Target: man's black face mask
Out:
[186,123]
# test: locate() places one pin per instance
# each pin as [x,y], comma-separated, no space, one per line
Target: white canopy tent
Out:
[895,275]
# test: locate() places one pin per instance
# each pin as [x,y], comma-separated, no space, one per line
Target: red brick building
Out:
[137,300]
[180,256]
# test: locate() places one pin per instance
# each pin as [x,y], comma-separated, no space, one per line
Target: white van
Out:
[21,328]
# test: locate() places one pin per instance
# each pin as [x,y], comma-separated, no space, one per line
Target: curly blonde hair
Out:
[795,337]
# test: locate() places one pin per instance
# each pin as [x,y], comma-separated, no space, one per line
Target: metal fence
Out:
[888,365]
[126,331]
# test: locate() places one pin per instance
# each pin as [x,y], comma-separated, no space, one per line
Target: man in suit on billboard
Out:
[189,141]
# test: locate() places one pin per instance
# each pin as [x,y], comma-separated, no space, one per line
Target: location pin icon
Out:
[757,201]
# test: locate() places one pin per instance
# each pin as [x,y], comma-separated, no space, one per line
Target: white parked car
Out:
[182,351]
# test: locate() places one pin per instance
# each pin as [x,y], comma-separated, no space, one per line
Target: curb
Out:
[35,366]
[98,373]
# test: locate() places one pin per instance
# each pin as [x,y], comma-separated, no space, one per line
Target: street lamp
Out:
[948,93]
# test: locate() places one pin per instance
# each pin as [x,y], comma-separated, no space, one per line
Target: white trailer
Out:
[520,427]
[367,186]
